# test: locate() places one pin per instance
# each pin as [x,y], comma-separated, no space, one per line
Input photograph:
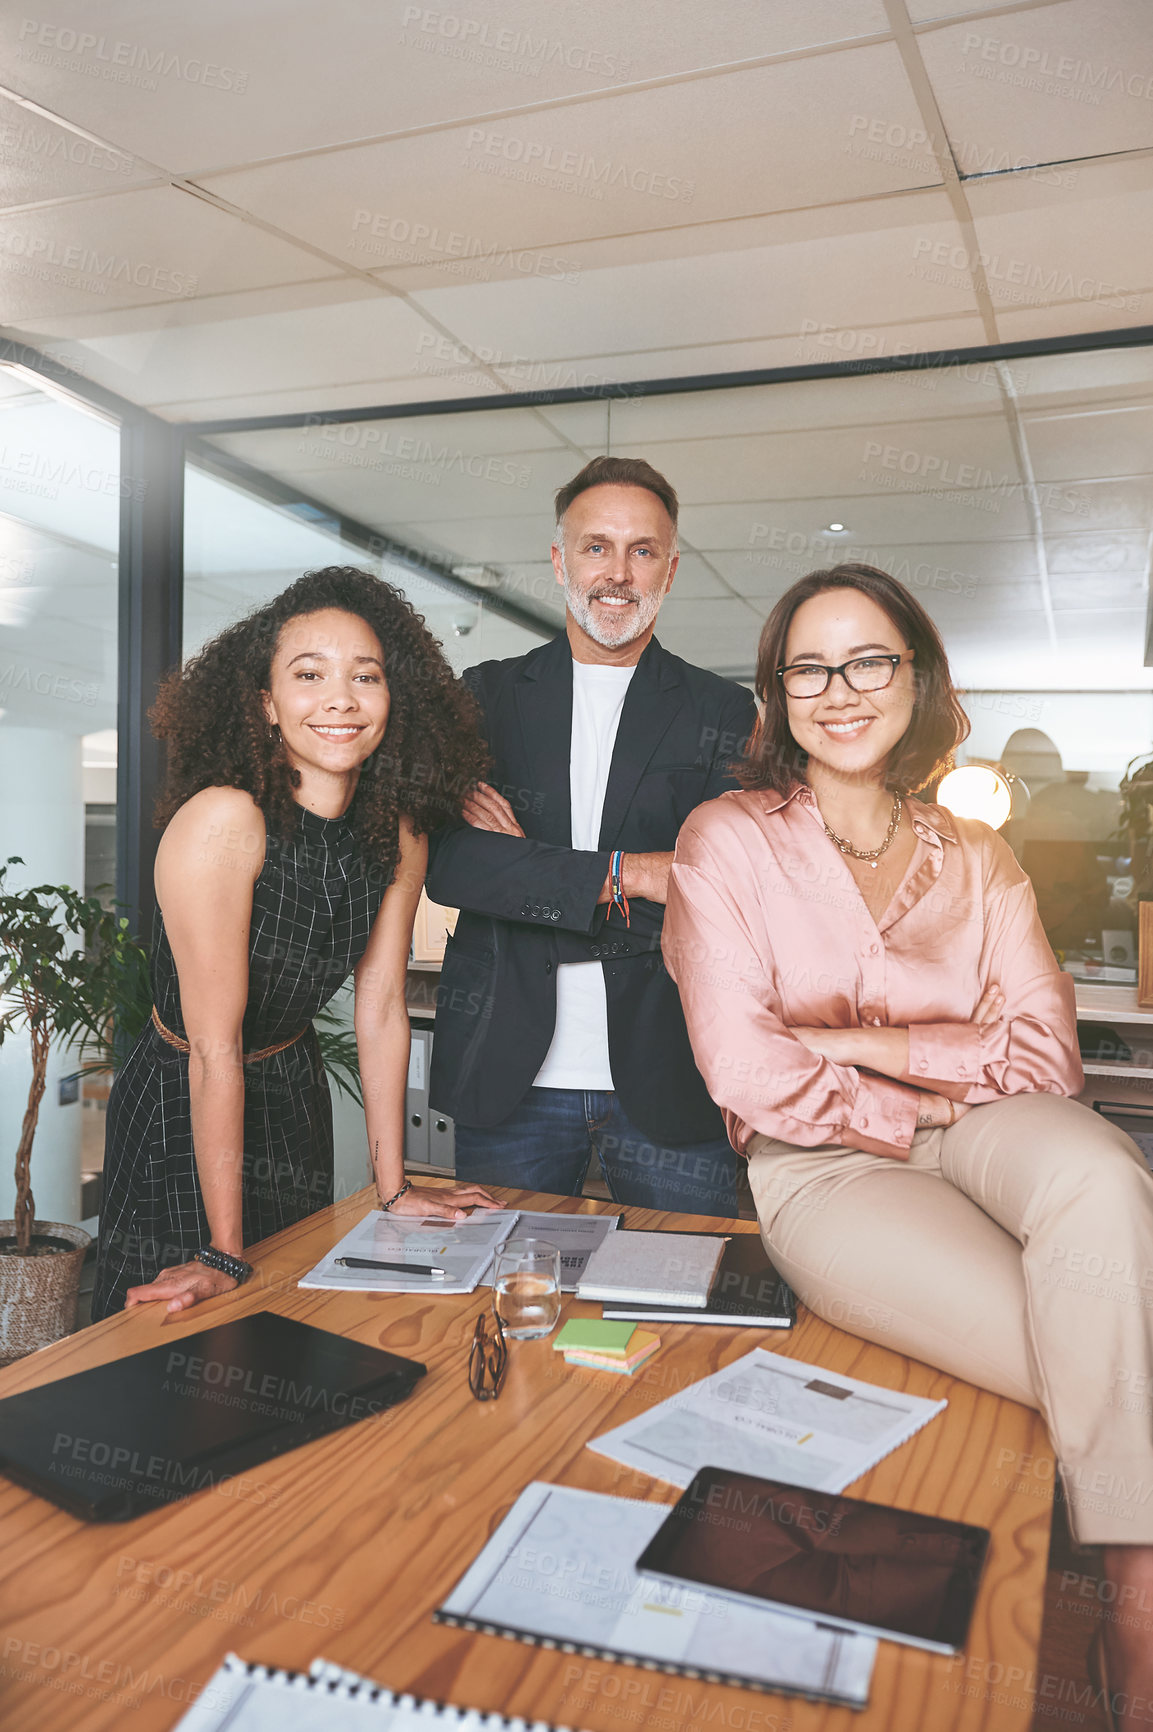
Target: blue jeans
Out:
[547,1143]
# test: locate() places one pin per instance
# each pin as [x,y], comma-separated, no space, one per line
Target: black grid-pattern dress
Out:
[313,906]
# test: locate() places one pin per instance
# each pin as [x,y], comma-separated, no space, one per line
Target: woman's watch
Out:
[214,1259]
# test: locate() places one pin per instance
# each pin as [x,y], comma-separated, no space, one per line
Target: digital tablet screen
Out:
[890,1571]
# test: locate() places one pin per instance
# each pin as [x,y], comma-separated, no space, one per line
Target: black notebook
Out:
[146,1430]
[746,1289]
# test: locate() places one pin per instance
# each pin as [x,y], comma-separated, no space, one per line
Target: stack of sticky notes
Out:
[605,1346]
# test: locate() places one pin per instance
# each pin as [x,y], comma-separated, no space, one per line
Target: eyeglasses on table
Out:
[488,1358]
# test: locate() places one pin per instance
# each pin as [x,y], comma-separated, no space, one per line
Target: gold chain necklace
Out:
[872,855]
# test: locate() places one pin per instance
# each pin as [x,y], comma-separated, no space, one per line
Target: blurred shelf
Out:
[1097,1001]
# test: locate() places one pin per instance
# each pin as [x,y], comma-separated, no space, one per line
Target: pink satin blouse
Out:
[766,930]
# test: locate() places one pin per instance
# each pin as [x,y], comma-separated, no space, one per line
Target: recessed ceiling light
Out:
[834,528]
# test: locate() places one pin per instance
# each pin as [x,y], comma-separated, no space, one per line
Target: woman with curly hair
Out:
[311,747]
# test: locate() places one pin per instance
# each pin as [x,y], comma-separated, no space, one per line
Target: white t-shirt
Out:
[579,1055]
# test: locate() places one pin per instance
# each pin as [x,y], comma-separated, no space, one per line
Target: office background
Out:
[284,285]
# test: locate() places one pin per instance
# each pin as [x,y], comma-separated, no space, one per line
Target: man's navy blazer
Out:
[529,905]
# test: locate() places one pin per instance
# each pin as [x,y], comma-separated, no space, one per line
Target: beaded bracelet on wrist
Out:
[407,1186]
[224,1263]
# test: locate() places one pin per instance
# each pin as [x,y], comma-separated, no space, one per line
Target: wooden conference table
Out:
[343,1548]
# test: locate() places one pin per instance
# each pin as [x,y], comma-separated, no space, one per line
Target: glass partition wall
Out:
[60,493]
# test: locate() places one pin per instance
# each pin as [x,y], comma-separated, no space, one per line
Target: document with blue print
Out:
[778,1418]
[561,1569]
[463,1249]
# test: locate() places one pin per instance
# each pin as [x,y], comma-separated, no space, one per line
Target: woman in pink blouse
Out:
[875,1007]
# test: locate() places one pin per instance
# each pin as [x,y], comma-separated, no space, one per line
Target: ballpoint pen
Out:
[394,1268]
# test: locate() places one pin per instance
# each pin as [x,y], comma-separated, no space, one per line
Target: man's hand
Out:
[643,875]
[485,809]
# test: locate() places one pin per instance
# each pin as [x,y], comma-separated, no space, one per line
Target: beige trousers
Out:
[1014,1250]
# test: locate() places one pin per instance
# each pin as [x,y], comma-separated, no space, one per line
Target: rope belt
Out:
[182,1045]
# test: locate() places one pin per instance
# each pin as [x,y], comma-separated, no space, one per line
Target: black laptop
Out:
[126,1437]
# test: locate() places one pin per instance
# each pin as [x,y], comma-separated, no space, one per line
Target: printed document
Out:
[778,1418]
[463,1249]
[576,1237]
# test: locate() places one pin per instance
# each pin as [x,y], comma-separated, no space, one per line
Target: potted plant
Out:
[66,962]
[71,974]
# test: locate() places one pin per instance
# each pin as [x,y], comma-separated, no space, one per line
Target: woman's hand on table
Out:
[449,1203]
[183,1285]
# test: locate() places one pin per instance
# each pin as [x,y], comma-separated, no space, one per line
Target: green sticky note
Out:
[593,1335]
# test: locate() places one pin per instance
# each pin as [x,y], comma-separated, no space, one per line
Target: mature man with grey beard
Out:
[558,1030]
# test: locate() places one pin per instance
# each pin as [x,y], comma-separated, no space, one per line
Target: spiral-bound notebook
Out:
[560,1571]
[244,1697]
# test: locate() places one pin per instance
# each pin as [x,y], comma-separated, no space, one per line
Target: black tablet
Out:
[859,1566]
[139,1432]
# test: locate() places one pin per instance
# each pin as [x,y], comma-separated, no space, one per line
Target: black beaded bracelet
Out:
[220,1260]
[407,1186]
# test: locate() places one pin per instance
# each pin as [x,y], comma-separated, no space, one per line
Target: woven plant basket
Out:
[38,1293]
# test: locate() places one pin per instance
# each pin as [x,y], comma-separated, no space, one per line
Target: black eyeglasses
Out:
[862,674]
[487,1359]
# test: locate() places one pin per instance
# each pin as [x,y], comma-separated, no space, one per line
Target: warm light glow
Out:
[977,791]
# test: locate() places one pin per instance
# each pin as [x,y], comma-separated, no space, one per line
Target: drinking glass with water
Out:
[526,1287]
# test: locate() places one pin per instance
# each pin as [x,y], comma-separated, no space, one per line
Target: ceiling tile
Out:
[1085,377]
[133,248]
[757,526]
[521,536]
[972,456]
[265,352]
[1082,444]
[1114,505]
[1046,85]
[1094,592]
[219,83]
[1090,245]
[864,401]
[646,160]
[293,452]
[1094,551]
[40,160]
[809,286]
[1074,318]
